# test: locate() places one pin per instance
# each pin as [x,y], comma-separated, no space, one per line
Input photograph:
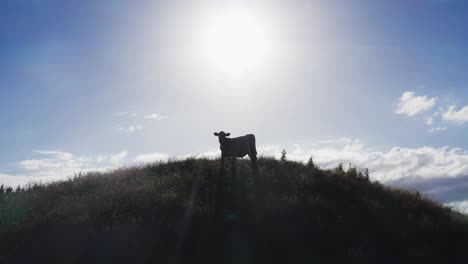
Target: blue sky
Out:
[94,85]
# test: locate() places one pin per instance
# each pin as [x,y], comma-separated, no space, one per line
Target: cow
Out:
[237,147]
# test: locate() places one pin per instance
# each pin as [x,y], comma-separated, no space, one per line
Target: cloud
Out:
[437,129]
[440,173]
[131,128]
[124,114]
[461,206]
[442,189]
[55,159]
[327,154]
[158,156]
[15,180]
[429,121]
[395,163]
[151,157]
[452,115]
[155,116]
[211,154]
[412,105]
[52,165]
[57,165]
[433,127]
[114,159]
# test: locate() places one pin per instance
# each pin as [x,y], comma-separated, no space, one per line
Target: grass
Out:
[165,213]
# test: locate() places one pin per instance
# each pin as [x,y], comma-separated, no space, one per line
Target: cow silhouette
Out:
[237,147]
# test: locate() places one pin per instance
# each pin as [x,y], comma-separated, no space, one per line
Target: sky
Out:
[94,85]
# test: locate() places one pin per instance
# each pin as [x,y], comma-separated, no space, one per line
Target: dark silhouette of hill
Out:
[163,213]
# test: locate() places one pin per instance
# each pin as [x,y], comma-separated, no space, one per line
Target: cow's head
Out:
[222,136]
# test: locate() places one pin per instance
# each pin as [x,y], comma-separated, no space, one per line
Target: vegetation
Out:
[164,213]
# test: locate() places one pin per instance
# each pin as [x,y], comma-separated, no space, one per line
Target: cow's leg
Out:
[219,202]
[242,183]
[220,184]
[234,172]
[258,181]
[253,159]
[221,167]
[235,182]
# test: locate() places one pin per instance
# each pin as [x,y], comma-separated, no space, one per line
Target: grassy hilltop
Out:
[164,213]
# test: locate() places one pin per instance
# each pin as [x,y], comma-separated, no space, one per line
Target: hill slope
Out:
[164,213]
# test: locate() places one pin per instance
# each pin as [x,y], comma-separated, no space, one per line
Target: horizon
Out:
[92,86]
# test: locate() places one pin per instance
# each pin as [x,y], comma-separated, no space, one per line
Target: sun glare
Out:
[235,42]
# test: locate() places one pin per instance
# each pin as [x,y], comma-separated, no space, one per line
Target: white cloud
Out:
[15,180]
[396,163]
[114,159]
[429,121]
[211,154]
[452,115]
[411,105]
[437,129]
[125,114]
[327,154]
[55,165]
[55,160]
[461,206]
[155,116]
[151,157]
[158,156]
[131,128]
[58,165]
[420,166]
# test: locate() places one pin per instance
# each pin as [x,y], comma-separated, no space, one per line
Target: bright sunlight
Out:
[235,42]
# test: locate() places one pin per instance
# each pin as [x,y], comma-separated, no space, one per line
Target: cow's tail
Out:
[252,144]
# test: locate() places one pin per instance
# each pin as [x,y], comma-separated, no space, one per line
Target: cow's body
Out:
[239,147]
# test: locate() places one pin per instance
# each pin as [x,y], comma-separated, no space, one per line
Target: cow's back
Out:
[241,146]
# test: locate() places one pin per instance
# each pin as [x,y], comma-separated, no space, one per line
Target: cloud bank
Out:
[151,157]
[58,165]
[440,173]
[393,164]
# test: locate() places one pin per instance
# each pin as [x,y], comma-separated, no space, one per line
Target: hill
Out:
[164,213]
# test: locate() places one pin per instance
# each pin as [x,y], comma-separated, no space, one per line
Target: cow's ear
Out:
[228,134]
[216,133]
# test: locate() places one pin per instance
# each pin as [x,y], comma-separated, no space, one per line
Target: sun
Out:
[235,42]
